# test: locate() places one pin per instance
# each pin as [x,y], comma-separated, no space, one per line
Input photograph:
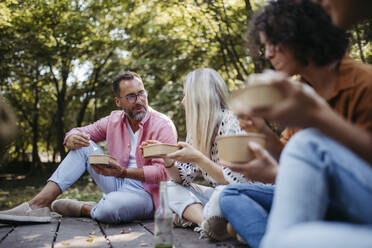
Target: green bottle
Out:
[163,220]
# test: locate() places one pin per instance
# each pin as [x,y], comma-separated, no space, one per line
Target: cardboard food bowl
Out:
[259,92]
[157,150]
[234,148]
[100,159]
[254,96]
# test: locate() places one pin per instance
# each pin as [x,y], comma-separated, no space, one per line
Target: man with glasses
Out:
[130,182]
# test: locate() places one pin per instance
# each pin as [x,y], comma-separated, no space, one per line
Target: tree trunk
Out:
[82,111]
[61,87]
[359,42]
[60,126]
[35,127]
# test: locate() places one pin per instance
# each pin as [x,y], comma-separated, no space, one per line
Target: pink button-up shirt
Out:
[114,129]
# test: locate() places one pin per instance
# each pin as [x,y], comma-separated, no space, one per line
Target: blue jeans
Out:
[246,206]
[124,199]
[317,175]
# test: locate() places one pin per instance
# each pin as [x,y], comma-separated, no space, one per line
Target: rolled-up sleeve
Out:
[96,130]
[156,172]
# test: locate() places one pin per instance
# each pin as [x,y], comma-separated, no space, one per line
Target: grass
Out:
[18,188]
[18,185]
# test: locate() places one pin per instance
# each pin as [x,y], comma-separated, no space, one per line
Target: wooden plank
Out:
[79,232]
[4,231]
[83,232]
[187,238]
[36,235]
[131,235]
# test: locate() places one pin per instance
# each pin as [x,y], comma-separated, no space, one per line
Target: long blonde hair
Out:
[205,96]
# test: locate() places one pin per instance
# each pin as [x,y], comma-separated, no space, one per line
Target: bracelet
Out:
[124,173]
[169,166]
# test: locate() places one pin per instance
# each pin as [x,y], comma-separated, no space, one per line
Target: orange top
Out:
[352,96]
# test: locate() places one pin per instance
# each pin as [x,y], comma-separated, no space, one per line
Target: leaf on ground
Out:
[90,240]
[84,220]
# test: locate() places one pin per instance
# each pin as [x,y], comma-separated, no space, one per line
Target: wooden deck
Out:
[83,232]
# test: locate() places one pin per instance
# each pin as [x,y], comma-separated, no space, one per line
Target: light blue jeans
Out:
[317,175]
[246,206]
[180,197]
[124,199]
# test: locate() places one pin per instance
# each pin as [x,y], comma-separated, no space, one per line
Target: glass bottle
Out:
[163,220]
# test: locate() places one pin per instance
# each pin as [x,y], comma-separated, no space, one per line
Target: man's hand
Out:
[263,168]
[76,141]
[112,169]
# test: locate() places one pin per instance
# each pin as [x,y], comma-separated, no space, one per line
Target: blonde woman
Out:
[207,117]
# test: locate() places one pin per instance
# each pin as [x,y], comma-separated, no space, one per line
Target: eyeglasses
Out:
[132,98]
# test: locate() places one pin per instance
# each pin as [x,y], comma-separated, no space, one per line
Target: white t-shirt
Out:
[132,163]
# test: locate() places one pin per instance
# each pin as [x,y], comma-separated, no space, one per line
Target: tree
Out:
[48,39]
[58,58]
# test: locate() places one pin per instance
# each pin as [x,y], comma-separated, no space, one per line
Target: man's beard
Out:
[138,116]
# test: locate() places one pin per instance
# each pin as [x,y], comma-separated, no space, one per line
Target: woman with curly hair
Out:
[298,38]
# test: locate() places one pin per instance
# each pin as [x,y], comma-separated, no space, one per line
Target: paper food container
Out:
[259,92]
[234,148]
[156,150]
[100,159]
[254,96]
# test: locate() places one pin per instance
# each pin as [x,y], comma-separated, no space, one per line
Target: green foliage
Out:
[17,189]
[58,58]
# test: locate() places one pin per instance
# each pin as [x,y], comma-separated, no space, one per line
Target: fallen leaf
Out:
[66,243]
[84,220]
[90,240]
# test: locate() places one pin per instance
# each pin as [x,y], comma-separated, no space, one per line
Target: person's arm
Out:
[173,171]
[263,168]
[169,164]
[188,154]
[79,137]
[355,138]
[302,107]
[116,170]
[156,172]
[77,140]
[214,170]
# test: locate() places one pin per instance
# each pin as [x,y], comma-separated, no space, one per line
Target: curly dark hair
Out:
[127,75]
[303,27]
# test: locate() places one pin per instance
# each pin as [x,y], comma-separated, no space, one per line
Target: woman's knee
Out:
[303,139]
[309,146]
[227,197]
[231,189]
